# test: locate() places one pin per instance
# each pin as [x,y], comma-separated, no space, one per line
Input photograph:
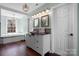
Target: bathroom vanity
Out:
[40,43]
[40,32]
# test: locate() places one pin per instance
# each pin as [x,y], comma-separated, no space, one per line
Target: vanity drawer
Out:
[38,49]
[40,43]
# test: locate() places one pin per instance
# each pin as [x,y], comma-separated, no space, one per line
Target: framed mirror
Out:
[45,21]
[36,22]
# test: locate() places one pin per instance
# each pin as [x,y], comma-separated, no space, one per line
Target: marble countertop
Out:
[32,33]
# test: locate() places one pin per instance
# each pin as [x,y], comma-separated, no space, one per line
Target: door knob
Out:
[71,34]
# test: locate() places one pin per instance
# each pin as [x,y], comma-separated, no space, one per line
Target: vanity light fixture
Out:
[39,14]
[35,16]
[48,11]
[45,12]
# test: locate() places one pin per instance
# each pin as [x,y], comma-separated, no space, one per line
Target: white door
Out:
[63,29]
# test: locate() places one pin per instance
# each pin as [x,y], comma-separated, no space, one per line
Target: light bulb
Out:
[32,16]
[39,14]
[47,11]
[43,13]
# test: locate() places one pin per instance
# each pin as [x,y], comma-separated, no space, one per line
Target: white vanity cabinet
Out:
[40,43]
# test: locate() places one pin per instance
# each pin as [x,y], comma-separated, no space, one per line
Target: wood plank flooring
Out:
[19,49]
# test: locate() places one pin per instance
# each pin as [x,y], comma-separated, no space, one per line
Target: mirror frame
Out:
[43,24]
[34,22]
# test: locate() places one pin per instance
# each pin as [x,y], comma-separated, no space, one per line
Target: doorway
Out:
[65,25]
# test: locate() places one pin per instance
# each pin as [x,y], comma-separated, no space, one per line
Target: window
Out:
[11,26]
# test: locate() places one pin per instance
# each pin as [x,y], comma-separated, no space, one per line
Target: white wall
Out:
[3,25]
[22,25]
[30,24]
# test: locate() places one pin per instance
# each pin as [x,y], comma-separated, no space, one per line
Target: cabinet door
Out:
[46,43]
[31,42]
[28,41]
[35,43]
[39,44]
[61,15]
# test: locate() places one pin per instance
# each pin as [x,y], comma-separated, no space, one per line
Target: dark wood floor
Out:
[19,49]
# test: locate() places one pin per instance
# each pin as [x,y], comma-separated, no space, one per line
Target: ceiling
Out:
[18,6]
[45,6]
[34,8]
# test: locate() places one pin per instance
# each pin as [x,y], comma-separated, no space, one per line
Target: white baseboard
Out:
[62,53]
[72,52]
[68,52]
